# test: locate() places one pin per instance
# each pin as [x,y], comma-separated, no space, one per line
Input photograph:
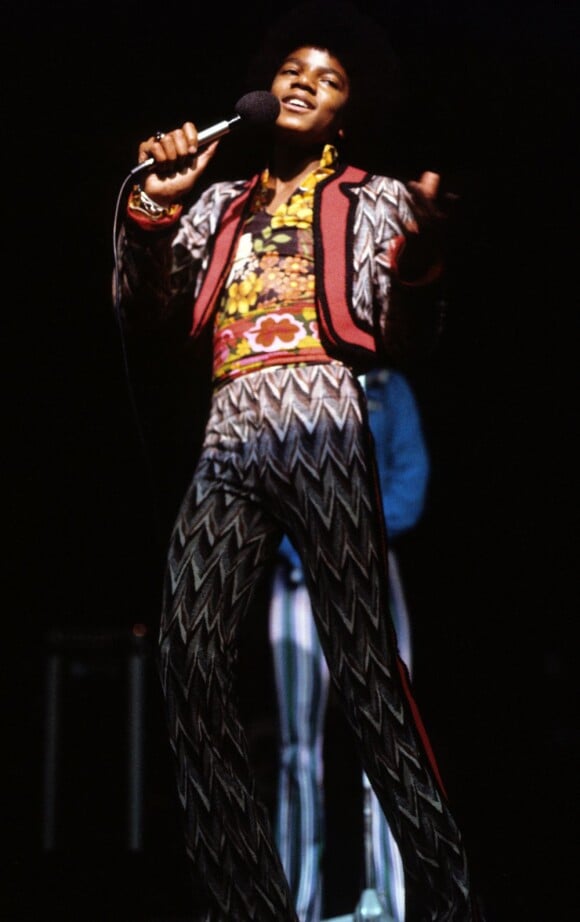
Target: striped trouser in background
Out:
[302,684]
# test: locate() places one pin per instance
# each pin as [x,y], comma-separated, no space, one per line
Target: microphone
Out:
[256,108]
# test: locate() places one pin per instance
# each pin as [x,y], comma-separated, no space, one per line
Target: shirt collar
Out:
[328,164]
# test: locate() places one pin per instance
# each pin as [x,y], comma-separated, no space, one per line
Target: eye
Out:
[331,80]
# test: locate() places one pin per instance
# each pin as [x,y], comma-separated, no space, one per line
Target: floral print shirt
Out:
[267,315]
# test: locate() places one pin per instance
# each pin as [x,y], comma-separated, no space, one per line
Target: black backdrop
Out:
[489,572]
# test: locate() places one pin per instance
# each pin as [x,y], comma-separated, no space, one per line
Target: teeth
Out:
[298,102]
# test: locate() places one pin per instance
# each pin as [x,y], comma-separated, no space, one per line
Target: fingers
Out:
[426,207]
[429,184]
[190,134]
[170,147]
[178,164]
[426,187]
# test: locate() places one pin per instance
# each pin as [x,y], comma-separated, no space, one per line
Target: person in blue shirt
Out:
[301,673]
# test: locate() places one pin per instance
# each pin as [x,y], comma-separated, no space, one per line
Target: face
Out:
[313,89]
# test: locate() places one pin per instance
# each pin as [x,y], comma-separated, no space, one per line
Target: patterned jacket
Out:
[360,224]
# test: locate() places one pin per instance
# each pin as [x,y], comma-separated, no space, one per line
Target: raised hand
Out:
[177,163]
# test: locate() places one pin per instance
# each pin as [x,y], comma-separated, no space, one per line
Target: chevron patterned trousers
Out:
[289,449]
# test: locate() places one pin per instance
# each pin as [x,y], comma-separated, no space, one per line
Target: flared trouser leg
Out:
[289,449]
[386,858]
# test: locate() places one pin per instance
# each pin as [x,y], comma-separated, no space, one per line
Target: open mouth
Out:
[297,104]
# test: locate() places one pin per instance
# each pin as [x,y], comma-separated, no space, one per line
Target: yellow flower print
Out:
[298,213]
[243,295]
[242,349]
[300,209]
[310,342]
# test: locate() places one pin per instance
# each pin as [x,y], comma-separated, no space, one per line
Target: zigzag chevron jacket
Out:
[360,223]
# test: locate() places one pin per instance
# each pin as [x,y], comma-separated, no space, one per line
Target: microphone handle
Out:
[204,137]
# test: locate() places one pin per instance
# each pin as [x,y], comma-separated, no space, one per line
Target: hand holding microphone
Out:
[172,161]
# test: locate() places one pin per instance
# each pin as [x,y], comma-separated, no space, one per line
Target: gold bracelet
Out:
[140,202]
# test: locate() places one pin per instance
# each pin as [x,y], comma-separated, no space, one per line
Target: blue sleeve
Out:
[402,456]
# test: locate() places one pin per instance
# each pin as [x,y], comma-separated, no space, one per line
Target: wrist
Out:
[149,213]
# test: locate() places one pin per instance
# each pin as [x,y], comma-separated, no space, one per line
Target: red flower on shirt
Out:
[283,329]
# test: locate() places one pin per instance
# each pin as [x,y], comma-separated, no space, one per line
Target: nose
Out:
[305,82]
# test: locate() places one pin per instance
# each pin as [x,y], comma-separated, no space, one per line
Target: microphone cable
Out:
[125,364]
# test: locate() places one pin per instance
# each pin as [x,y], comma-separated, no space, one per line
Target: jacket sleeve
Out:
[160,269]
[409,314]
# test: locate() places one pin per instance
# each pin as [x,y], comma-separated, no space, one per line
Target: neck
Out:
[290,164]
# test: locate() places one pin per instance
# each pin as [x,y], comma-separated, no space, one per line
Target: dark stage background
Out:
[490,572]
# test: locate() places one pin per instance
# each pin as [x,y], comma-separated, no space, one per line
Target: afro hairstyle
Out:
[361,45]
